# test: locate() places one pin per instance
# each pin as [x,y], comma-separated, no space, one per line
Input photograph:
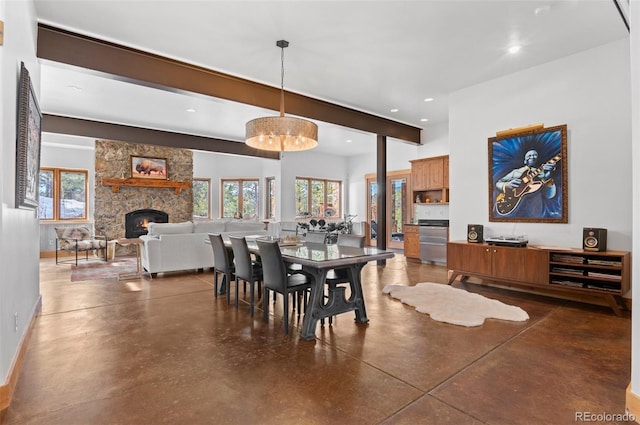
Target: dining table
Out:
[317,259]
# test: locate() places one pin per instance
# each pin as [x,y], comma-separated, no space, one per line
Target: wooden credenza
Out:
[604,274]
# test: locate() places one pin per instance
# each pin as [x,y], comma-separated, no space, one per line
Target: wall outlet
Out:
[50,242]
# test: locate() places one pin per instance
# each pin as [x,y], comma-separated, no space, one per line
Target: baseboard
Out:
[7,389]
[47,254]
[633,404]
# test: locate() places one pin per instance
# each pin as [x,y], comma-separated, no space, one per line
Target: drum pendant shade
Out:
[281,133]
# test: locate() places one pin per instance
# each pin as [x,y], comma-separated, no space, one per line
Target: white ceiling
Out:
[368,55]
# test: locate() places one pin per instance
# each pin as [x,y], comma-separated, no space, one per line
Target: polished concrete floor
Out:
[166,351]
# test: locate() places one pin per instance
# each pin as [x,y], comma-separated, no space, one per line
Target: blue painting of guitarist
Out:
[528,190]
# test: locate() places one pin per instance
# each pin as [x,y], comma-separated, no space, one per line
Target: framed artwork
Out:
[27,143]
[144,167]
[528,176]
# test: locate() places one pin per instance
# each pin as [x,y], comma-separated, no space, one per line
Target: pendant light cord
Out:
[282,81]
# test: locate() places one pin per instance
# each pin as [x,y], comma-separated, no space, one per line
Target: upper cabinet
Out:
[430,179]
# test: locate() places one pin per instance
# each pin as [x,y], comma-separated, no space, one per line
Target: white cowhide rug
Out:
[445,303]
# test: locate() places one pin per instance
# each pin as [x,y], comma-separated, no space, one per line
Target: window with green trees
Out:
[318,197]
[201,198]
[240,198]
[62,194]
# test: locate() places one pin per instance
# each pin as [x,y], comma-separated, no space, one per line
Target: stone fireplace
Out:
[113,160]
[136,222]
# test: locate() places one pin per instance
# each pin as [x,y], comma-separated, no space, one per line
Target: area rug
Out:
[102,270]
[445,303]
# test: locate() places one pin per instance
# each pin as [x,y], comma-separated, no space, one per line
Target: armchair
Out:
[78,239]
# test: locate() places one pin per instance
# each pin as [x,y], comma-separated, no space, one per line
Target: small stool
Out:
[137,242]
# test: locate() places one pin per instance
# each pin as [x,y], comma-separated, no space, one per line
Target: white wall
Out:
[306,164]
[19,244]
[634,9]
[589,92]
[215,166]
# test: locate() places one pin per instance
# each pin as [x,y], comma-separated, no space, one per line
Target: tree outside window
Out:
[240,199]
[318,198]
[62,194]
[201,198]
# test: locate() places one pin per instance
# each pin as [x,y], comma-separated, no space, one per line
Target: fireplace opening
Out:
[136,222]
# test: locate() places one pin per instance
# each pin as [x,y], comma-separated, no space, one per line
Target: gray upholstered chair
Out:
[222,265]
[246,269]
[315,237]
[276,279]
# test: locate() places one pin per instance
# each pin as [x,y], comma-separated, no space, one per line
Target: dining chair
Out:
[276,279]
[315,237]
[246,269]
[222,264]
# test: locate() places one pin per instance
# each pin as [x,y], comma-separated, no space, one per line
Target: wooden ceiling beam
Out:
[134,65]
[124,133]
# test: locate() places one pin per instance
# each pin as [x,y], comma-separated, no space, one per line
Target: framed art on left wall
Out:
[27,143]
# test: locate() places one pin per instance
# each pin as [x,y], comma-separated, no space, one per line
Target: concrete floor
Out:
[166,351]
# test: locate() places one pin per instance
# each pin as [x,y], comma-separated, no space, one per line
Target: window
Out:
[62,194]
[318,197]
[271,198]
[240,198]
[201,198]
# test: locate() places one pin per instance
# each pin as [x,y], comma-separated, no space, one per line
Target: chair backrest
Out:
[242,257]
[317,237]
[274,273]
[351,240]
[221,258]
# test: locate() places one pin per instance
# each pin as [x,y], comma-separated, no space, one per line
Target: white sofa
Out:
[181,246]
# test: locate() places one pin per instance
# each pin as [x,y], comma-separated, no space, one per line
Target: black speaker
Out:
[594,239]
[474,233]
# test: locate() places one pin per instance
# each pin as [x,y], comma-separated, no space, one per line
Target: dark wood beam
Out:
[101,130]
[134,65]
[381,180]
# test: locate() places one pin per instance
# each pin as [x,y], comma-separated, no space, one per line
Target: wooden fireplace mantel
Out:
[116,183]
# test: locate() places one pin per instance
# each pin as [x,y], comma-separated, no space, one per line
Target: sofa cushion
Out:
[209,226]
[69,237]
[155,229]
[244,226]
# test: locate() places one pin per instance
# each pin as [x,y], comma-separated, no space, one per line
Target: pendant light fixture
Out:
[281,133]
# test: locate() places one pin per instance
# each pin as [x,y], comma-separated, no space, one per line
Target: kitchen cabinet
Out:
[430,179]
[412,241]
[605,274]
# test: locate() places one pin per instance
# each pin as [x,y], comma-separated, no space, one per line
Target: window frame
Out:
[325,183]
[208,184]
[270,201]
[57,187]
[240,182]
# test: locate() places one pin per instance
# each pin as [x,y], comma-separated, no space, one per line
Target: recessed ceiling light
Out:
[514,49]
[191,110]
[429,99]
[424,119]
[395,110]
[348,140]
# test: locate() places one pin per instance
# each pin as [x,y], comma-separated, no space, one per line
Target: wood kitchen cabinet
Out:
[430,179]
[605,274]
[412,241]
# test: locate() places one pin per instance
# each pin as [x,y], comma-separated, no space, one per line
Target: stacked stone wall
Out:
[113,160]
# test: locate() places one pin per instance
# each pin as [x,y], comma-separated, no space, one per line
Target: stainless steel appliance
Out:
[433,240]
